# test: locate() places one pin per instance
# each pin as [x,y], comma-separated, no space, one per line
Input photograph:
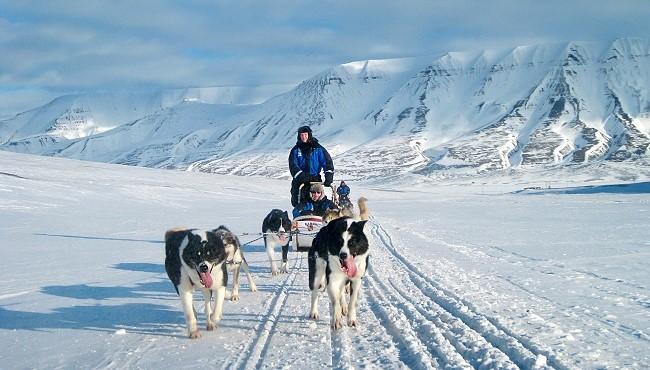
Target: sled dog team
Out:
[202,259]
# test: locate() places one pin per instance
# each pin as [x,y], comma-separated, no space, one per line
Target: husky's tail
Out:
[364,212]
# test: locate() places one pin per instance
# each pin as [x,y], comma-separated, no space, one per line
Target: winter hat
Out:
[317,187]
[302,129]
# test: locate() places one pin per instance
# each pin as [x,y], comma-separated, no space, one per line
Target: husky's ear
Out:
[361,224]
[286,214]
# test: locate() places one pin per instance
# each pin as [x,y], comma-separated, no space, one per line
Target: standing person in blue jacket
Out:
[343,191]
[306,161]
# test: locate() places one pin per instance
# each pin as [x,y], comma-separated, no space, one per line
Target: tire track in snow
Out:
[521,352]
[255,352]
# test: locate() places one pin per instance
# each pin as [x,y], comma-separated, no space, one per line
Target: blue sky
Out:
[52,48]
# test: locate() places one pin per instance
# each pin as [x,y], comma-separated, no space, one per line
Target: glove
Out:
[301,178]
[329,177]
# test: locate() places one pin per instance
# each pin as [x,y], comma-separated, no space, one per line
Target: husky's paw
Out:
[210,326]
[352,322]
[284,268]
[336,323]
[253,288]
[234,297]
[344,310]
[195,334]
[314,315]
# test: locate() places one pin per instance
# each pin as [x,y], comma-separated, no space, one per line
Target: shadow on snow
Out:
[141,267]
[101,238]
[145,318]
[636,188]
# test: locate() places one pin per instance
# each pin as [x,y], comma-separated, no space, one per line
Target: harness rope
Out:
[291,233]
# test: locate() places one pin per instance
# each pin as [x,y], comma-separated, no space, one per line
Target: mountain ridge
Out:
[526,106]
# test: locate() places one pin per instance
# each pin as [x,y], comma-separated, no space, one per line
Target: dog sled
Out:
[305,228]
[344,202]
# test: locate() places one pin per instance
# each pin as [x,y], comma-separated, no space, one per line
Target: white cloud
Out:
[17,101]
[84,45]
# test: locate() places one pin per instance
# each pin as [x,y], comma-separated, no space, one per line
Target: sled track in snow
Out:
[637,297]
[341,349]
[561,270]
[254,353]
[435,328]
[419,345]
[365,346]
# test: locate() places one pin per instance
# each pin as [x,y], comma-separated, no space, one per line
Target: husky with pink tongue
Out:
[196,259]
[275,229]
[338,256]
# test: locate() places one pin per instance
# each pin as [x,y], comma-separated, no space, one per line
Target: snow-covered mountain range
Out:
[528,106]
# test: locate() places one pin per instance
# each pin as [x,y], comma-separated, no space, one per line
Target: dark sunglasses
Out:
[315,192]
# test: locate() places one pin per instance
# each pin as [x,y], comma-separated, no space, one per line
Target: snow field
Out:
[461,276]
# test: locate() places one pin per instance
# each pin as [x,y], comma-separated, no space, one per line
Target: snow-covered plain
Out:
[463,274]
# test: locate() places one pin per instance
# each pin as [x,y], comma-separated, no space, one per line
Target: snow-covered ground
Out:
[462,275]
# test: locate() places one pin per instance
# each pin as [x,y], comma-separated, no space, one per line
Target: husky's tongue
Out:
[206,279]
[282,237]
[349,267]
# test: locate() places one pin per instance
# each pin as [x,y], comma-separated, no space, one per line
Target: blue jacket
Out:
[343,190]
[307,160]
[310,207]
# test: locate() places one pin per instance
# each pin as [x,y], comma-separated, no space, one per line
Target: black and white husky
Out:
[276,228]
[338,256]
[199,259]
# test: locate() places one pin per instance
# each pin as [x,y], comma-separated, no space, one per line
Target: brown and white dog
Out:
[198,259]
[338,256]
[332,214]
[235,260]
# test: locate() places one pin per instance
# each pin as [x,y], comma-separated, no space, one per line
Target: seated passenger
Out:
[316,204]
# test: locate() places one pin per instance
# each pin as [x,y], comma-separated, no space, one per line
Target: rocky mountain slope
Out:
[528,106]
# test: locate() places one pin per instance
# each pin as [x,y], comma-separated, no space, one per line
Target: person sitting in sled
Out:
[317,203]
[343,191]
[306,161]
